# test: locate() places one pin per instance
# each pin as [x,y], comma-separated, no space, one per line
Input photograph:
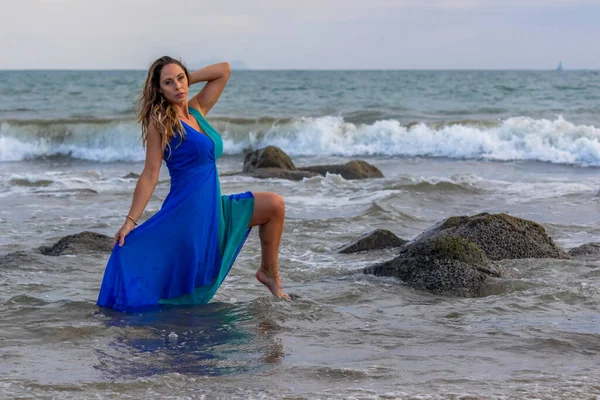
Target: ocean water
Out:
[448,143]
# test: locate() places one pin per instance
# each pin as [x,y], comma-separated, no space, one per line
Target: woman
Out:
[183,252]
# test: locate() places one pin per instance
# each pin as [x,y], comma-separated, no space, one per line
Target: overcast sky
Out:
[301,34]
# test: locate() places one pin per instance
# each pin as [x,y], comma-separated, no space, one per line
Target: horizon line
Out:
[309,69]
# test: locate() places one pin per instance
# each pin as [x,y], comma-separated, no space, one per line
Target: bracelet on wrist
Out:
[132,220]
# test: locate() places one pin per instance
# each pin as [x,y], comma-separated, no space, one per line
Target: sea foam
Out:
[518,138]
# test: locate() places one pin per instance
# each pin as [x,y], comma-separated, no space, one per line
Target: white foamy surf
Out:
[519,138]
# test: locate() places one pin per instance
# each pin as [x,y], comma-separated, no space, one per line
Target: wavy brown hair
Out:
[155,108]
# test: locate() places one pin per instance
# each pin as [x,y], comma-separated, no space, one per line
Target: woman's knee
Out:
[277,205]
[267,206]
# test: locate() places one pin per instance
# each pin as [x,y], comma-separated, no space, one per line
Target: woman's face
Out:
[174,83]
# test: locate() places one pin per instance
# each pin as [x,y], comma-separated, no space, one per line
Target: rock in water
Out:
[80,243]
[500,236]
[268,157]
[456,256]
[272,162]
[377,239]
[586,252]
[355,169]
[443,265]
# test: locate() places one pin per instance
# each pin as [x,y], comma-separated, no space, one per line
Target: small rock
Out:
[377,239]
[80,243]
[586,252]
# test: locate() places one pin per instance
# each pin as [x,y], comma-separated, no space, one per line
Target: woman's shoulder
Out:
[195,108]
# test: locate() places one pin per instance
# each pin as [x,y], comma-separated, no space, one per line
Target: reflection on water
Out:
[212,339]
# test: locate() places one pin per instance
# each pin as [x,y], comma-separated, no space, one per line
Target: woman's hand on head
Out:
[122,232]
[216,77]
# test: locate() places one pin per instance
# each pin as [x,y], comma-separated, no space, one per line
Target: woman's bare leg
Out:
[269,213]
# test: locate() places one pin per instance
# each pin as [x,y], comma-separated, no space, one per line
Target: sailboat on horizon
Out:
[560,67]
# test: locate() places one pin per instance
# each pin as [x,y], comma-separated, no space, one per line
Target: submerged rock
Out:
[355,169]
[457,255]
[377,239]
[21,260]
[84,242]
[586,252]
[268,157]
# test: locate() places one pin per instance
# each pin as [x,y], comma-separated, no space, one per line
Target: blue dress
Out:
[181,254]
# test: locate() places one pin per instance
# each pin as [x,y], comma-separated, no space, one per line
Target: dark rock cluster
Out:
[272,162]
[457,255]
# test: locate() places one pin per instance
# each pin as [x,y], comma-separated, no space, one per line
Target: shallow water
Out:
[448,143]
[347,335]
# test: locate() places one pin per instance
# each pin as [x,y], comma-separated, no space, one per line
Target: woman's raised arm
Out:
[216,77]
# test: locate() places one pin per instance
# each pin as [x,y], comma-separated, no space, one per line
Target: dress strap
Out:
[209,130]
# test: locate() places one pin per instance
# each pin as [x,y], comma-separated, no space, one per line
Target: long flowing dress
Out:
[181,254]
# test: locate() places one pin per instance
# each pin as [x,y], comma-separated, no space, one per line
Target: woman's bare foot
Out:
[271,281]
